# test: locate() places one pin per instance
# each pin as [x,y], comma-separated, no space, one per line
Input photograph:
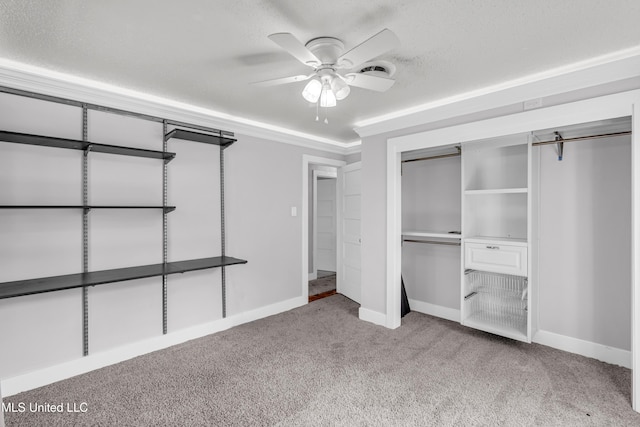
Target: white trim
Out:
[354,148]
[52,374]
[612,355]
[394,237]
[306,161]
[596,71]
[609,106]
[443,312]
[313,276]
[371,316]
[33,79]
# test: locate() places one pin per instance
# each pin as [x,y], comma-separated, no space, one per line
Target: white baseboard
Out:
[39,378]
[371,316]
[313,276]
[614,356]
[435,310]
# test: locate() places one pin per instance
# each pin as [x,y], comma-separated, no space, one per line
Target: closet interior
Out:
[524,232]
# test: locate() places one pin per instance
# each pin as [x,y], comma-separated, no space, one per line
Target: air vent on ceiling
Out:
[378,68]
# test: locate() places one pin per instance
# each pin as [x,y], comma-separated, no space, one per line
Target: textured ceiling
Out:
[206,52]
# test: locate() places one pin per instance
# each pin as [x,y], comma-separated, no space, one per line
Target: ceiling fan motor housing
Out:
[326,49]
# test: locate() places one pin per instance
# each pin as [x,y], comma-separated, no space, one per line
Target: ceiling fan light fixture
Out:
[340,88]
[312,91]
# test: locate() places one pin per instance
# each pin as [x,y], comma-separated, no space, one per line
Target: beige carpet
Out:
[320,365]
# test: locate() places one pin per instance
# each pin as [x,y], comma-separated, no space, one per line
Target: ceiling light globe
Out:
[327,97]
[312,91]
[340,88]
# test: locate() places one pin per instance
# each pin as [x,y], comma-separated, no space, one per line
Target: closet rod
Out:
[580,138]
[441,156]
[432,242]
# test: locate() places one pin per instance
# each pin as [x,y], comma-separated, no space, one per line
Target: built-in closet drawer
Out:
[496,257]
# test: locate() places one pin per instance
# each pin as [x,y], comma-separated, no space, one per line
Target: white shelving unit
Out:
[495,294]
[432,234]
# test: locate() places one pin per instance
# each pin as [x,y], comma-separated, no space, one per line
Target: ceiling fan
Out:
[333,69]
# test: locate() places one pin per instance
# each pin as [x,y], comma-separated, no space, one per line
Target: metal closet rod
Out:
[440,156]
[581,138]
[432,242]
[96,107]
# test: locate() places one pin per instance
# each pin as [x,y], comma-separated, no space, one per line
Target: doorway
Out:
[315,169]
[323,232]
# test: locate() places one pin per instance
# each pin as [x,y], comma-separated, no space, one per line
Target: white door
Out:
[326,224]
[349,238]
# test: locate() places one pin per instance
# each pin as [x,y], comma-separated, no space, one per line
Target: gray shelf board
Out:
[50,141]
[94,278]
[188,135]
[166,208]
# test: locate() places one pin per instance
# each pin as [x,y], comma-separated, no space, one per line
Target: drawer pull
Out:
[493,247]
[469,295]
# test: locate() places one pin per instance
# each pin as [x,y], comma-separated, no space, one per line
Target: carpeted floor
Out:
[320,365]
[322,284]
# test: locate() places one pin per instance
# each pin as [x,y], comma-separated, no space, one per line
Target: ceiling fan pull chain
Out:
[317,111]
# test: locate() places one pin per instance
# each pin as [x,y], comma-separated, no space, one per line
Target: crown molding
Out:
[28,78]
[612,67]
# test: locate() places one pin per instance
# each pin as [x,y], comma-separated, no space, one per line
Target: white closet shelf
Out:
[480,321]
[496,191]
[493,240]
[433,234]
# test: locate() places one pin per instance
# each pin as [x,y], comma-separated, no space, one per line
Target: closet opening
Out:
[431,230]
[552,198]
[584,221]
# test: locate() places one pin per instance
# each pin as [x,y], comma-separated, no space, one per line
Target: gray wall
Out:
[374,223]
[263,181]
[585,240]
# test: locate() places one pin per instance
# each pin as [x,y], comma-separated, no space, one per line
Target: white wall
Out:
[262,183]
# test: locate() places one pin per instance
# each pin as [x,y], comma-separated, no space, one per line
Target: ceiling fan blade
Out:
[282,80]
[295,48]
[376,45]
[379,84]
